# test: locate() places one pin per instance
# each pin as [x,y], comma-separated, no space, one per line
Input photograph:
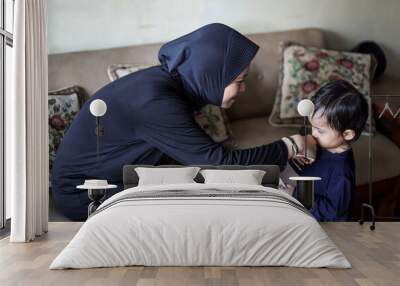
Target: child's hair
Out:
[343,106]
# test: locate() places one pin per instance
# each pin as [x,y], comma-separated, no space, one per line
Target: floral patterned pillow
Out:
[116,71]
[305,69]
[63,105]
[212,119]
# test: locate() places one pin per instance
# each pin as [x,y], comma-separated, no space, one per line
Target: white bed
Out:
[201,224]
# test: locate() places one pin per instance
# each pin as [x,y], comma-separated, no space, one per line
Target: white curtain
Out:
[26,123]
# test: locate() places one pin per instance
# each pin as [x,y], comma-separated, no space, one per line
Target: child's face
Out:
[327,137]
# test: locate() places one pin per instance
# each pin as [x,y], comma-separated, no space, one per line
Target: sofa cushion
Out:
[305,69]
[116,71]
[213,120]
[63,105]
[257,131]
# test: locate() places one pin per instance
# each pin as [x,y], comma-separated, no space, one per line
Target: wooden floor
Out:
[375,256]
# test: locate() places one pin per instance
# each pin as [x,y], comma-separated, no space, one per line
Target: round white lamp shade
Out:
[305,107]
[98,107]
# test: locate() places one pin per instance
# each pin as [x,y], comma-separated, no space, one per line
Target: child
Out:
[339,118]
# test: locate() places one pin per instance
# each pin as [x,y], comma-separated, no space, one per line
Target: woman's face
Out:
[233,89]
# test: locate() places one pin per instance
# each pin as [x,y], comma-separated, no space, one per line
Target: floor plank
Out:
[374,255]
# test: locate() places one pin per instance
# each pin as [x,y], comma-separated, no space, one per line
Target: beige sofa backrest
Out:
[264,72]
[89,68]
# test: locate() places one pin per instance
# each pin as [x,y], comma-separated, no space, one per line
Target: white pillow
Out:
[248,177]
[162,176]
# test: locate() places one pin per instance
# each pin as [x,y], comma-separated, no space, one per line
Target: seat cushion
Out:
[253,132]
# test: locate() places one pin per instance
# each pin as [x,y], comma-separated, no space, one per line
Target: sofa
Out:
[248,118]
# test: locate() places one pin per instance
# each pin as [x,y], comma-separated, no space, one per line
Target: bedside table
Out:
[96,194]
[305,190]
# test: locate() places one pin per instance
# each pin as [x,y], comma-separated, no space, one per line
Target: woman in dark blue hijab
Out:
[149,117]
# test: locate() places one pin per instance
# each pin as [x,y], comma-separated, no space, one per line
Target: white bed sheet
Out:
[191,231]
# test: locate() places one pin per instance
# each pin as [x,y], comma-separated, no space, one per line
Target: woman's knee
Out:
[73,206]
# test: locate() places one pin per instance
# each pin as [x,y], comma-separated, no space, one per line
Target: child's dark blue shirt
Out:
[334,194]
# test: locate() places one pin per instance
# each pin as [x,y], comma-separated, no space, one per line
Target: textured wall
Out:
[76,25]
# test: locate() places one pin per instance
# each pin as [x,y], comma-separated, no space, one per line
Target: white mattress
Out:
[185,230]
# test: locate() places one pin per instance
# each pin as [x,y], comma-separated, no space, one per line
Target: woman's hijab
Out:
[207,60]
